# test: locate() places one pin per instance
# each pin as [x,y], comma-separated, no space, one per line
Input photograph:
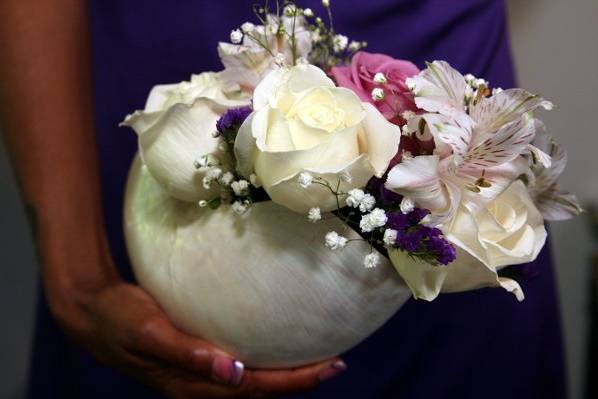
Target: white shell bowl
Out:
[262,287]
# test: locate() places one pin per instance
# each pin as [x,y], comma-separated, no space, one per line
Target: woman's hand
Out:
[49,129]
[124,327]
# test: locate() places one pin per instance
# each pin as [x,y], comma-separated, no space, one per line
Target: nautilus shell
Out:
[261,286]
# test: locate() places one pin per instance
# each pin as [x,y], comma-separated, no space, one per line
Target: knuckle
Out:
[146,334]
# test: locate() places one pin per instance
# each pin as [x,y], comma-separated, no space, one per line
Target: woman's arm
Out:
[47,115]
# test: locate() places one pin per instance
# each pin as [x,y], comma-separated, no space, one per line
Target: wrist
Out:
[76,266]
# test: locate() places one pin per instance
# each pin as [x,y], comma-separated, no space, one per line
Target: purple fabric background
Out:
[480,344]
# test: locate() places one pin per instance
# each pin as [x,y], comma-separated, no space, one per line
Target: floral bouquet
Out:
[285,207]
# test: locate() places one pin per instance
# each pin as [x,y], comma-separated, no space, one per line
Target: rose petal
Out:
[290,194]
[380,138]
[171,140]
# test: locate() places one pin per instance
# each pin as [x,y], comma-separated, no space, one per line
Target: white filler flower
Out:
[340,43]
[380,78]
[390,237]
[354,197]
[305,179]
[373,220]
[236,36]
[407,205]
[371,260]
[377,94]
[335,241]
[240,207]
[367,203]
[226,179]
[240,187]
[314,215]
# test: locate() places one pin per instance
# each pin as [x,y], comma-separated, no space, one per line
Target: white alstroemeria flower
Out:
[553,202]
[334,241]
[441,88]
[248,62]
[303,123]
[175,133]
[507,231]
[477,156]
[463,169]
[314,215]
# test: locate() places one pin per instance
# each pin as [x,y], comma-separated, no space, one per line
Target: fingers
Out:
[260,384]
[293,380]
[159,339]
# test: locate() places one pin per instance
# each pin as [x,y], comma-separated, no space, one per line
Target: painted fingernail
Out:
[332,370]
[227,370]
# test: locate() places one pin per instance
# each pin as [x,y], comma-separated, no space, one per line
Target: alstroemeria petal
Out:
[556,204]
[493,112]
[497,179]
[539,156]
[553,202]
[450,136]
[501,147]
[439,88]
[418,179]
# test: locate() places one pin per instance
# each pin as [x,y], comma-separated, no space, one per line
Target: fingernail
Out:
[227,370]
[332,370]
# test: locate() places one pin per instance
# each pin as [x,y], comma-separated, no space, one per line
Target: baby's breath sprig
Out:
[328,47]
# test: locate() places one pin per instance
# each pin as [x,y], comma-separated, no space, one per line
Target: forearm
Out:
[47,115]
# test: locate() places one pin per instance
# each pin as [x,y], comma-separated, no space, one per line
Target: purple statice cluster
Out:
[418,239]
[232,119]
[413,237]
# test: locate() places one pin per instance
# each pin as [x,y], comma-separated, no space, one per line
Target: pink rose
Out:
[359,77]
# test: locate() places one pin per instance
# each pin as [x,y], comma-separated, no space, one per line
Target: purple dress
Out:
[480,344]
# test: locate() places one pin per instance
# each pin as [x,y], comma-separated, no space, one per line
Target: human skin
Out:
[47,116]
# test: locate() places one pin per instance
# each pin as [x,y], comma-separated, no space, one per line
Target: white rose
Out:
[247,63]
[176,128]
[303,123]
[508,231]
